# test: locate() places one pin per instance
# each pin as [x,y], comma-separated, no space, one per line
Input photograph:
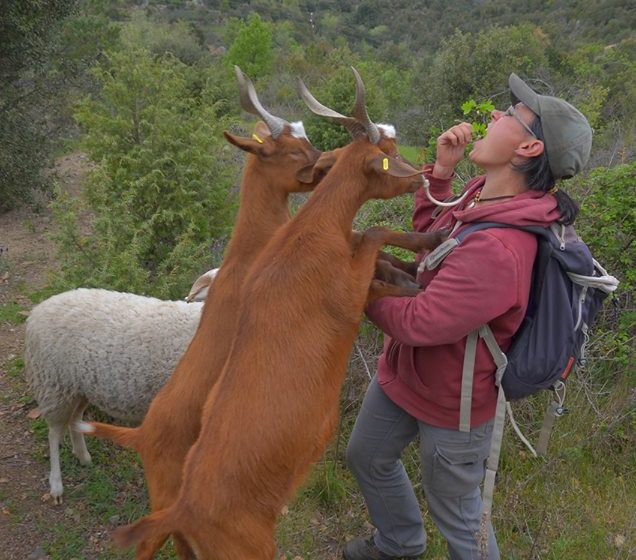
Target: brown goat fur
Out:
[173,420]
[276,404]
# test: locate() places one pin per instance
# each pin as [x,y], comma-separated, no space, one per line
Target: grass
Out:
[12,313]
[413,153]
[576,503]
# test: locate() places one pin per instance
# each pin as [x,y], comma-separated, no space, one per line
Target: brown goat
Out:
[278,153]
[276,404]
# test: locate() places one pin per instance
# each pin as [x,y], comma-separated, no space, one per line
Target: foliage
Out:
[46,50]
[479,115]
[251,50]
[477,67]
[27,29]
[162,38]
[160,191]
[608,219]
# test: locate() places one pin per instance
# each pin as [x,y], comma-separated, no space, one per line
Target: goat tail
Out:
[126,437]
[155,527]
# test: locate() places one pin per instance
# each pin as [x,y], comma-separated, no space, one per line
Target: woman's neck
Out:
[502,182]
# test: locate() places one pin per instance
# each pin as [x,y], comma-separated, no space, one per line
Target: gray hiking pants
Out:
[453,466]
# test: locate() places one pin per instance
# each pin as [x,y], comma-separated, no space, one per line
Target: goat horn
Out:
[351,124]
[359,111]
[251,104]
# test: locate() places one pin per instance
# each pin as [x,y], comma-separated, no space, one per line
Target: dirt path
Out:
[28,519]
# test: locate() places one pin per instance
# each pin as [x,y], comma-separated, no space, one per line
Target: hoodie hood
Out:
[530,208]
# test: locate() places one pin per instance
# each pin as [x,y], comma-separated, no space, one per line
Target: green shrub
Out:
[160,192]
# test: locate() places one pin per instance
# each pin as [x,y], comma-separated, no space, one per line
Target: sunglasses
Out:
[511,112]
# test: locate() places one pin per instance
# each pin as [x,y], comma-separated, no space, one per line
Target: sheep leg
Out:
[56,432]
[77,438]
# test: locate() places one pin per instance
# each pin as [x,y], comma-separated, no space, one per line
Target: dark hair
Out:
[538,177]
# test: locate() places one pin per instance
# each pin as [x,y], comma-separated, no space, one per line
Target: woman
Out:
[486,279]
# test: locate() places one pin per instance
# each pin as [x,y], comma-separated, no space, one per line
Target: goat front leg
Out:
[363,266]
[413,241]
[379,288]
[386,272]
[407,267]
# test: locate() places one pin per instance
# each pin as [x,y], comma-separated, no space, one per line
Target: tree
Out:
[29,30]
[477,67]
[252,48]
[160,193]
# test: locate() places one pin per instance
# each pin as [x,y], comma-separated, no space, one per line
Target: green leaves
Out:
[252,48]
[478,114]
[159,193]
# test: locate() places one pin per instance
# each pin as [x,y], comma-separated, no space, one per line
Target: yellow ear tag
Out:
[257,139]
[385,164]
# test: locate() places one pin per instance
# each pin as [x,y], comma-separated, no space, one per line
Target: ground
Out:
[28,518]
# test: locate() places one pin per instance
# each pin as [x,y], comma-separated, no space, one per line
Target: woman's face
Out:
[505,134]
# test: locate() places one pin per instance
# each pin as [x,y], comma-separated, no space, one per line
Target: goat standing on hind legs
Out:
[279,155]
[276,404]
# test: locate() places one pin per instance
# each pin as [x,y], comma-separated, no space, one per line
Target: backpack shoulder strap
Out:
[435,257]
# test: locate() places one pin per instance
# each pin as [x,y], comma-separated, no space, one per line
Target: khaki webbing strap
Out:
[466,398]
[555,409]
[497,355]
[437,255]
[546,428]
[497,437]
[491,472]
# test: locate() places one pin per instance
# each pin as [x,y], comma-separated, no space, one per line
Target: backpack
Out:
[567,289]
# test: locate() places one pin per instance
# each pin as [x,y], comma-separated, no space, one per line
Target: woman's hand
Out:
[450,149]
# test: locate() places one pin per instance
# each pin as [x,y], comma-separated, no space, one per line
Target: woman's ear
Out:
[530,148]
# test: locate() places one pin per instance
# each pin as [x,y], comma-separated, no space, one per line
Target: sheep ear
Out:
[315,171]
[258,144]
[393,166]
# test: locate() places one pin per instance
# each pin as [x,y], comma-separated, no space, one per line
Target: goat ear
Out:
[262,130]
[314,171]
[392,166]
[254,145]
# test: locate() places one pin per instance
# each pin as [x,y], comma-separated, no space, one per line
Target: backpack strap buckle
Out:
[555,410]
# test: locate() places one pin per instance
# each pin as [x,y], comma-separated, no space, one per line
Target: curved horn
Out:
[251,104]
[351,124]
[359,111]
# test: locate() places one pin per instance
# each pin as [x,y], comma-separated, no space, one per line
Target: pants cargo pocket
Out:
[453,463]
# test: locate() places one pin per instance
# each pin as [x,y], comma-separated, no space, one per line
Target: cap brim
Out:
[524,93]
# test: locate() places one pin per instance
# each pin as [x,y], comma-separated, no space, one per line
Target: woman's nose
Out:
[495,115]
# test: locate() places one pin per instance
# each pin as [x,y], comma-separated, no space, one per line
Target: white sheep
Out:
[110,349]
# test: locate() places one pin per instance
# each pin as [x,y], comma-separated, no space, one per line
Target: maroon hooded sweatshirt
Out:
[485,279]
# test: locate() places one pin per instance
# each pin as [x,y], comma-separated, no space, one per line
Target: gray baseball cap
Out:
[567,134]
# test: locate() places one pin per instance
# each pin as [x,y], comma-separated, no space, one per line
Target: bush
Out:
[160,192]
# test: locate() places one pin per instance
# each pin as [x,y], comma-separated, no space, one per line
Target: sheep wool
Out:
[110,349]
[114,349]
